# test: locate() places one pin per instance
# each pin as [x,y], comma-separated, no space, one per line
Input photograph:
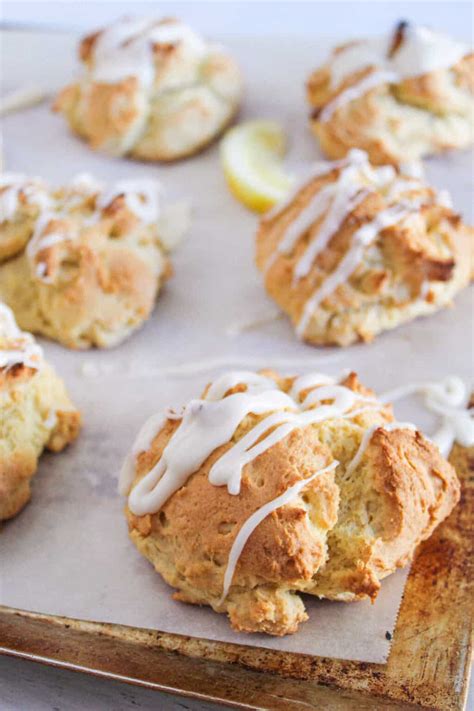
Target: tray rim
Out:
[428,667]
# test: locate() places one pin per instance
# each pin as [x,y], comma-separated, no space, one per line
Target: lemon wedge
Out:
[252,159]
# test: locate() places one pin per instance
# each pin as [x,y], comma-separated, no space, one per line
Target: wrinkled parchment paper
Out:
[68,552]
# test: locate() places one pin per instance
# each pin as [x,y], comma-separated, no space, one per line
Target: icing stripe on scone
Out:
[257,517]
[12,186]
[125,49]
[448,399]
[355,92]
[142,197]
[337,200]
[417,51]
[365,441]
[364,237]
[17,347]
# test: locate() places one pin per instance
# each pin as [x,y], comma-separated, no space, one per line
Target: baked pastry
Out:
[94,260]
[154,90]
[399,97]
[35,413]
[356,250]
[268,486]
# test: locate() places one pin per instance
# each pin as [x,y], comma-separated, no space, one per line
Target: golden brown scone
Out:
[154,90]
[94,261]
[399,98]
[356,250]
[269,486]
[35,413]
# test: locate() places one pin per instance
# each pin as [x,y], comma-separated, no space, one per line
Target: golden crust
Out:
[399,122]
[36,413]
[338,538]
[95,285]
[397,521]
[193,97]
[413,268]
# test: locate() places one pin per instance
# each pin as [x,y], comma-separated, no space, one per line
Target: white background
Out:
[25,686]
[337,19]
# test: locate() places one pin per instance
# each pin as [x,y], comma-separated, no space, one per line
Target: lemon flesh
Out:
[252,159]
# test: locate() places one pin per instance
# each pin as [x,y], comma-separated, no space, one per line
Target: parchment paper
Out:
[68,552]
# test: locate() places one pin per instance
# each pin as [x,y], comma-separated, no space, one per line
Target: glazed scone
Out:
[154,90]
[35,413]
[398,97]
[356,250]
[95,257]
[269,486]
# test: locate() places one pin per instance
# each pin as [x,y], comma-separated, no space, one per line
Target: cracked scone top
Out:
[83,264]
[399,97]
[151,89]
[268,486]
[35,413]
[355,250]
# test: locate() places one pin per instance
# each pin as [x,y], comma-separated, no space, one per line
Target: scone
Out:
[83,264]
[268,486]
[35,413]
[399,97]
[356,250]
[154,90]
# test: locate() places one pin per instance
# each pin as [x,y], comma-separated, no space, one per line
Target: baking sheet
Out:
[68,552]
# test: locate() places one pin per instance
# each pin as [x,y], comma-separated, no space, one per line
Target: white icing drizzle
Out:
[205,427]
[142,197]
[315,209]
[362,238]
[257,517]
[8,325]
[355,155]
[254,382]
[343,203]
[421,51]
[11,185]
[24,350]
[367,436]
[125,49]
[357,90]
[401,185]
[413,169]
[145,437]
[208,423]
[338,199]
[40,240]
[51,420]
[211,422]
[309,380]
[316,169]
[448,399]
